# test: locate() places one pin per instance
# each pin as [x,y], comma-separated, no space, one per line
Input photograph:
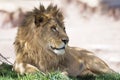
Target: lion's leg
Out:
[95,70]
[23,68]
[98,66]
[87,72]
[102,69]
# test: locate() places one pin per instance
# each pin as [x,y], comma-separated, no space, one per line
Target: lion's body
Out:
[41,45]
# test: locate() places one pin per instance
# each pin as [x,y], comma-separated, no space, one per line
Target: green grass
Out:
[6,73]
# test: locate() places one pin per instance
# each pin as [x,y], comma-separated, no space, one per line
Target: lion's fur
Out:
[33,55]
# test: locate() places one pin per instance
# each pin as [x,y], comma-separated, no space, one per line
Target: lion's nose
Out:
[65,40]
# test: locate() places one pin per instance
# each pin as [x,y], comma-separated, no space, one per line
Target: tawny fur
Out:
[41,29]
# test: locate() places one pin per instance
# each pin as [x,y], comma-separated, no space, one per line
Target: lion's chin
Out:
[59,52]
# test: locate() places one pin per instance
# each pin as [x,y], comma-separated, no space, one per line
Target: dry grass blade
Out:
[4,59]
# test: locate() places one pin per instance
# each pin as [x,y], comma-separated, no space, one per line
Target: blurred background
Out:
[90,24]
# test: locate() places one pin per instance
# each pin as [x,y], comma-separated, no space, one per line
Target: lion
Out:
[41,44]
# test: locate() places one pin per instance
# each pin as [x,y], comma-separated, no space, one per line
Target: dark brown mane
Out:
[51,9]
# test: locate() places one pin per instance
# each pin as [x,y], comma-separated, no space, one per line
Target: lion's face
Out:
[55,36]
[51,32]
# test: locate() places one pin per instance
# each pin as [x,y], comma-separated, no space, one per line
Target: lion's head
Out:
[46,27]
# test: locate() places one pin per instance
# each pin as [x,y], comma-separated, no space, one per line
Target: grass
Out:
[6,73]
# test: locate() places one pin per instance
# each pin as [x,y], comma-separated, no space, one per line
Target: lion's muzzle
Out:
[59,47]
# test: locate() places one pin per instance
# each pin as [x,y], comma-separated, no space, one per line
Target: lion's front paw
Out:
[31,69]
[24,68]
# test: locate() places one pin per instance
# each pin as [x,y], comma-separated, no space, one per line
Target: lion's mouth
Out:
[58,48]
[58,51]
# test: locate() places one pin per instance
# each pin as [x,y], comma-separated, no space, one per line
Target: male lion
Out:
[41,45]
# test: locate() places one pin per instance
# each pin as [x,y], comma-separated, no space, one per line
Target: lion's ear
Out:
[38,20]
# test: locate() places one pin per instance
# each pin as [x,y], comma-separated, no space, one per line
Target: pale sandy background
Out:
[97,33]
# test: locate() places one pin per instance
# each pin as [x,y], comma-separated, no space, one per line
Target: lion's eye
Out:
[64,28]
[53,28]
